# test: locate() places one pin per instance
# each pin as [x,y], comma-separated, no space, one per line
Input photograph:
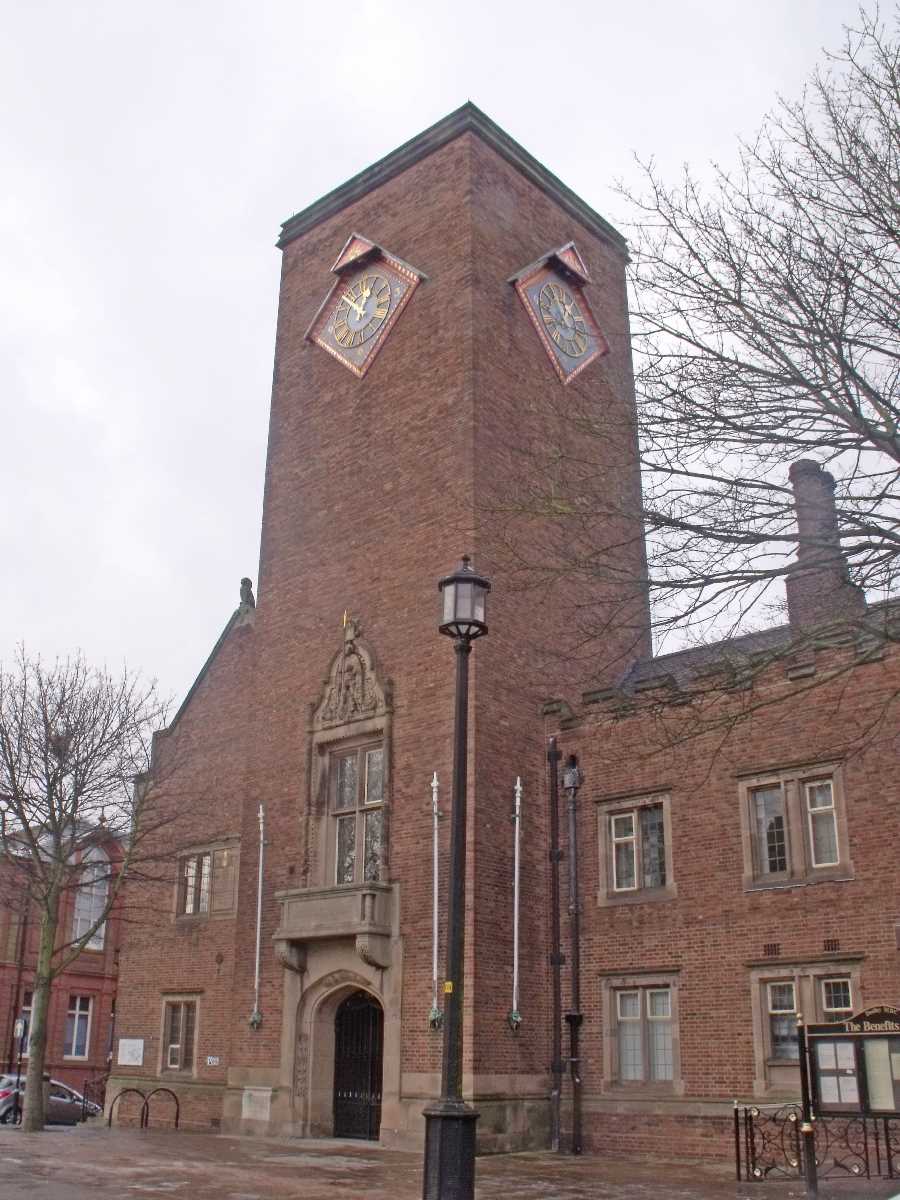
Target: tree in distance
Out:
[75,748]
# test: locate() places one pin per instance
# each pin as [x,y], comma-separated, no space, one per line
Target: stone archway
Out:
[315,1048]
[358,1063]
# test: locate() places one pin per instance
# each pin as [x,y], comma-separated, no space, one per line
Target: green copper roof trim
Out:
[464,120]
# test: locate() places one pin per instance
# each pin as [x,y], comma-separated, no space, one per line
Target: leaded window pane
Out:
[625,866]
[203,897]
[770,829]
[659,1003]
[820,794]
[190,875]
[631,1063]
[785,1044]
[660,1049]
[374,843]
[781,997]
[653,846]
[824,838]
[347,782]
[346,849]
[836,996]
[375,776]
[187,1052]
[629,1005]
[623,827]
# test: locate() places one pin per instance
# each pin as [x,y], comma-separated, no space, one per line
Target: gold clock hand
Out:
[359,311]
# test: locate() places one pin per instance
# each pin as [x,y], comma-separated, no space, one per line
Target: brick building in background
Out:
[82,1013]
[441,318]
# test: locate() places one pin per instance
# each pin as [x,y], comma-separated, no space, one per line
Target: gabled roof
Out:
[467,119]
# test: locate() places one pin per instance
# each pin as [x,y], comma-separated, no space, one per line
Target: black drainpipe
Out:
[572,780]
[556,956]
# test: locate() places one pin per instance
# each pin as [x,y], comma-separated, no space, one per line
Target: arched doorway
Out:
[358,1045]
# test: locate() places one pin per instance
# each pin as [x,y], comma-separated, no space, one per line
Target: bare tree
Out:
[74,755]
[765,330]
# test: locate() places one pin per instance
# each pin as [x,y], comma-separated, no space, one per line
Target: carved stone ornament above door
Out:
[352,691]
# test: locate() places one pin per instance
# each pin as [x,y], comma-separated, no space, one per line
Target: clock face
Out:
[563,319]
[565,324]
[361,309]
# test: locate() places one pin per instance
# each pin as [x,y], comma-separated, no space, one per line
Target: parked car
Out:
[66,1105]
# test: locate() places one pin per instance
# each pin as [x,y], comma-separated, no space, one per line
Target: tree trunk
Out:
[33,1111]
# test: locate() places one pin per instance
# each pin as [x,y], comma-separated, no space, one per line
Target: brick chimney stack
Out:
[819,590]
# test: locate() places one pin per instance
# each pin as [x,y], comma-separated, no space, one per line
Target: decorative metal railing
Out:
[767,1144]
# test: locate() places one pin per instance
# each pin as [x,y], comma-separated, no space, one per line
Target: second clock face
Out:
[565,324]
[563,319]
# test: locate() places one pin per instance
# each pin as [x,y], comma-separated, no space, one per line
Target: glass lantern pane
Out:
[464,601]
[448,596]
[480,599]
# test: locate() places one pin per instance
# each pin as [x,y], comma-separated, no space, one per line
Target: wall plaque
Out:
[131,1052]
[256,1103]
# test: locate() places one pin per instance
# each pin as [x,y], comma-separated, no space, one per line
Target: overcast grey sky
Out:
[149,152]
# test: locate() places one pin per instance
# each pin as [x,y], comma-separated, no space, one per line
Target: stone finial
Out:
[247,600]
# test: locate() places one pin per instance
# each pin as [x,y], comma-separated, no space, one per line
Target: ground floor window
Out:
[641,1032]
[179,1024]
[821,991]
[78,1027]
[25,1014]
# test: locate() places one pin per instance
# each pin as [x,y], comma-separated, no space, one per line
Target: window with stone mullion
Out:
[358,809]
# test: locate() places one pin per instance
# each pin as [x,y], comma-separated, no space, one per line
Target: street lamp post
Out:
[450,1123]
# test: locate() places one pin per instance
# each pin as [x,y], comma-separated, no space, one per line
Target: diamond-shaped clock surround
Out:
[360,257]
[566,267]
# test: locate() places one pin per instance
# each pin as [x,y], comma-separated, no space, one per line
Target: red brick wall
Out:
[714,929]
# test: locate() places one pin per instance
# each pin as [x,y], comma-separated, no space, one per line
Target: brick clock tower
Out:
[447,319]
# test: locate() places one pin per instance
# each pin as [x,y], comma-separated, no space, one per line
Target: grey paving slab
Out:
[93,1163]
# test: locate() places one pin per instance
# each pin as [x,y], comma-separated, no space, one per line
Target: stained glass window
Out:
[357,800]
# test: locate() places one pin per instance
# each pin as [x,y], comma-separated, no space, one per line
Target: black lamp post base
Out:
[449,1151]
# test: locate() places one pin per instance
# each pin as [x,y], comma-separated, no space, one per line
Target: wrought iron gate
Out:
[358,1041]
[767,1145]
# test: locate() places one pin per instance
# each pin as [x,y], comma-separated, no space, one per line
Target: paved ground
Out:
[88,1163]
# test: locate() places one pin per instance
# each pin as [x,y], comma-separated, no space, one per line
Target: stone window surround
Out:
[327,745]
[643,980]
[800,870]
[183,997]
[772,1076]
[610,806]
[231,842]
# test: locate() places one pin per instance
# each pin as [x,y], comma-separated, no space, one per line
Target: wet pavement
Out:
[95,1163]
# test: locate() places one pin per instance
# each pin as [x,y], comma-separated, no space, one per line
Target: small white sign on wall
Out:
[256,1103]
[131,1052]
[212,1060]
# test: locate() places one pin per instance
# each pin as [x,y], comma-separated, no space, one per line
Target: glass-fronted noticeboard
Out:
[855,1064]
